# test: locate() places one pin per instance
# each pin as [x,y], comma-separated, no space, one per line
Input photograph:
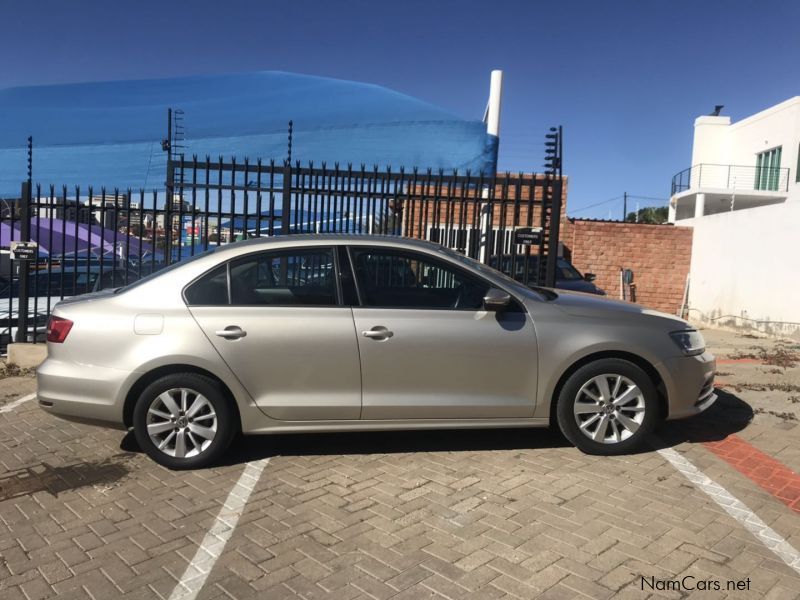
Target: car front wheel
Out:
[183,421]
[607,407]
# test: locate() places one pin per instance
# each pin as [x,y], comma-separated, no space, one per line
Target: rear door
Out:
[283,331]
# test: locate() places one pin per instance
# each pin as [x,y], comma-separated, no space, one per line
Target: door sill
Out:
[398,424]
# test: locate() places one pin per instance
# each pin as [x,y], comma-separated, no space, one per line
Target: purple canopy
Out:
[57,237]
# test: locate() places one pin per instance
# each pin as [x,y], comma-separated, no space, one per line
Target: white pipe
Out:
[493,109]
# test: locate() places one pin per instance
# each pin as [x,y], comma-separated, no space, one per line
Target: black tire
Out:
[568,397]
[226,423]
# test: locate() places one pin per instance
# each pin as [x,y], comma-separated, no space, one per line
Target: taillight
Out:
[57,329]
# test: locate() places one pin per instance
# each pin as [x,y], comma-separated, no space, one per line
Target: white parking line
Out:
[735,508]
[12,405]
[214,542]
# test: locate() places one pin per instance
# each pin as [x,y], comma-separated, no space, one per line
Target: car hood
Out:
[591,305]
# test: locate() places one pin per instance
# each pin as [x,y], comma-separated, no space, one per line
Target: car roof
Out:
[322,239]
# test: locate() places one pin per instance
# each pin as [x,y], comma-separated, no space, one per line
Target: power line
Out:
[597,204]
[648,198]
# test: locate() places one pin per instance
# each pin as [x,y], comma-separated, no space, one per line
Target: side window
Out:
[285,278]
[399,279]
[210,290]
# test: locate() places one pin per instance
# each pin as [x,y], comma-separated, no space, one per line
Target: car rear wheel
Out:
[183,421]
[607,407]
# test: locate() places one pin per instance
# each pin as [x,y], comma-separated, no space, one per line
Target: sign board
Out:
[24,250]
[528,236]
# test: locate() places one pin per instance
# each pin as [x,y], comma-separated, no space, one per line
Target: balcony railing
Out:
[731,177]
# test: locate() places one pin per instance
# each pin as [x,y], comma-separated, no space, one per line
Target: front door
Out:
[283,332]
[429,350]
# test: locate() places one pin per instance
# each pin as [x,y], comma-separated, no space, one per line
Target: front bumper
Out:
[78,392]
[690,384]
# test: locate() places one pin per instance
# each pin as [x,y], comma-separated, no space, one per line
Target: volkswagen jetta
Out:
[347,333]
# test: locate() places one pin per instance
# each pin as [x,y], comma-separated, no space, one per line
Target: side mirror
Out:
[496,300]
[590,277]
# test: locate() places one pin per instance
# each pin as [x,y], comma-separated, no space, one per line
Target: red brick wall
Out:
[423,211]
[658,255]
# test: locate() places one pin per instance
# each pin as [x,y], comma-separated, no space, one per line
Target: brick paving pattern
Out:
[407,515]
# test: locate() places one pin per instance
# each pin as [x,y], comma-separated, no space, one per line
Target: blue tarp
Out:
[109,133]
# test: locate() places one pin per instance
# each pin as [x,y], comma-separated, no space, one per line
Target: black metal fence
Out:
[90,239]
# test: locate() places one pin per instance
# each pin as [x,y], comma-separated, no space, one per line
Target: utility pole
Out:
[624,205]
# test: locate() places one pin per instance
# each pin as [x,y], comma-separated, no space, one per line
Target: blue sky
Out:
[625,78]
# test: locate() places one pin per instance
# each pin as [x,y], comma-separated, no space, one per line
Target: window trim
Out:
[345,266]
[431,258]
[250,255]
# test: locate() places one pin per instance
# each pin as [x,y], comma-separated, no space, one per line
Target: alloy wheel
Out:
[609,408]
[181,422]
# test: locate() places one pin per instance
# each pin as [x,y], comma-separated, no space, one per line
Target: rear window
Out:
[210,290]
[293,277]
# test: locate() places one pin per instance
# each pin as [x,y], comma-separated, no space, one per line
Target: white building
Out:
[742,197]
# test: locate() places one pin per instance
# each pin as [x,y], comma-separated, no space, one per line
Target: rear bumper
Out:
[690,384]
[79,392]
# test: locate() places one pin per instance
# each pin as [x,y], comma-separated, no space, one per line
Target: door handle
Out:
[378,333]
[231,332]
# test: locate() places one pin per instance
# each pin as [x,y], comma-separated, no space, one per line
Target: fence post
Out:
[168,211]
[554,178]
[286,204]
[24,266]
[555,226]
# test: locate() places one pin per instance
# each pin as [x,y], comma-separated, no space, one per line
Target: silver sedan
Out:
[349,333]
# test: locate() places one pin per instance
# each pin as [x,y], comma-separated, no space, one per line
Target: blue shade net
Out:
[109,133]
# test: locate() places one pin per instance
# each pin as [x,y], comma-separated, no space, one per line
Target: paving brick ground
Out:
[458,515]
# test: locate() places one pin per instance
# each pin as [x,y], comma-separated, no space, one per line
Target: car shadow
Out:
[728,415]
[248,448]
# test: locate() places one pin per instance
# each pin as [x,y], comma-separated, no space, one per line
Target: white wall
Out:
[710,143]
[746,263]
[745,268]
[776,126]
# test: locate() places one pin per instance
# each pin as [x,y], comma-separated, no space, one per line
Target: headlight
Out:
[689,341]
